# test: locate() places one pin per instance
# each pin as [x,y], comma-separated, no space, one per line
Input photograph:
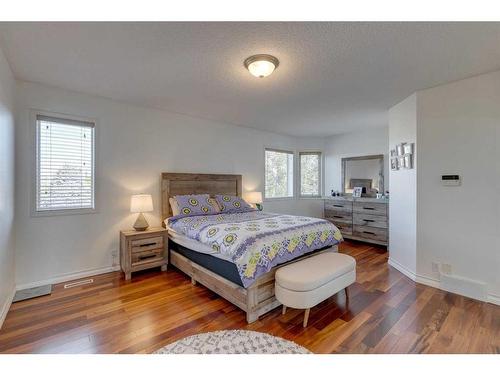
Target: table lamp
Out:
[138,204]
[255,197]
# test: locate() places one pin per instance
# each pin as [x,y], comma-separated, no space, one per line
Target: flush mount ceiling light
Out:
[261,65]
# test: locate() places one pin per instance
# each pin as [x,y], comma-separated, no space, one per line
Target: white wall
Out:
[360,143]
[134,146]
[7,267]
[403,190]
[458,132]
[456,129]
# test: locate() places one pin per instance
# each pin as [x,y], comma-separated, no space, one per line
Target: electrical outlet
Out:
[446,268]
[435,267]
[114,257]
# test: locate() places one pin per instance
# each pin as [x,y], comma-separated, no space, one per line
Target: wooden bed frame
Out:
[255,300]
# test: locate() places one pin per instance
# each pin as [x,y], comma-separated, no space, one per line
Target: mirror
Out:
[363,171]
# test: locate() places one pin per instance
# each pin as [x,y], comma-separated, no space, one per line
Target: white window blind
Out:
[64,164]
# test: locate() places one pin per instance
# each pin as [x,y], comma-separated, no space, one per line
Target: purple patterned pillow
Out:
[231,203]
[192,205]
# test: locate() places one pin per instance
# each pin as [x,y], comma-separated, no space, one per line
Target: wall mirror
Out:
[363,171]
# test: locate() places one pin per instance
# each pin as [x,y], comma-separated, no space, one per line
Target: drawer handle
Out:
[142,257]
[369,220]
[147,244]
[369,233]
[337,205]
[338,217]
[368,208]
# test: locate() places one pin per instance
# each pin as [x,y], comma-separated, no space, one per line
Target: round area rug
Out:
[233,342]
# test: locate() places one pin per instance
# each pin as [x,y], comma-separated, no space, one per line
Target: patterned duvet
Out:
[256,241]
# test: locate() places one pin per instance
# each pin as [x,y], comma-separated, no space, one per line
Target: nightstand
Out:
[140,250]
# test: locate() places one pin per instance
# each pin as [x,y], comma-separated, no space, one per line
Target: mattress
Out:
[221,267]
[194,245]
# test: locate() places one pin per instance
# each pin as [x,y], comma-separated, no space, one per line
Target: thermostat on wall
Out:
[451,180]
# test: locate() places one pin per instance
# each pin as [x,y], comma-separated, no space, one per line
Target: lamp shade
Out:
[141,203]
[254,197]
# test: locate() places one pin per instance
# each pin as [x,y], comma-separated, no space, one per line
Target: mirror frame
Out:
[367,157]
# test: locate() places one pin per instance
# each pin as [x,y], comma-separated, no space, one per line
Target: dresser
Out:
[362,219]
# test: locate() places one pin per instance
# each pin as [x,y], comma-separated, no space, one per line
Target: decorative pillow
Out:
[231,203]
[192,205]
[176,211]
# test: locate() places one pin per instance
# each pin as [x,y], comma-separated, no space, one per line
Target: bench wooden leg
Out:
[346,293]
[284,310]
[306,317]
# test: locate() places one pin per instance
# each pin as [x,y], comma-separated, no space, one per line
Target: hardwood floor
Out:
[386,313]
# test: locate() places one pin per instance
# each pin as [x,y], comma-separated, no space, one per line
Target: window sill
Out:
[67,212]
[278,199]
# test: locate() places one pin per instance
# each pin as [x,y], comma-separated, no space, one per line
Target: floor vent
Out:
[38,291]
[78,283]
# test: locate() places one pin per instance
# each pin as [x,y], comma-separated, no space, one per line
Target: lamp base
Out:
[141,223]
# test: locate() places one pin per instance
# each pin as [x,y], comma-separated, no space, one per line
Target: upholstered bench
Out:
[306,283]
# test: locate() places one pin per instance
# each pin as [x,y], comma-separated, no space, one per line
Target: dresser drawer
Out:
[147,256]
[370,208]
[338,206]
[376,221]
[343,227]
[377,234]
[339,216]
[146,244]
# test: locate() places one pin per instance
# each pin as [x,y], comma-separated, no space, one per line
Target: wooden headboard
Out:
[195,183]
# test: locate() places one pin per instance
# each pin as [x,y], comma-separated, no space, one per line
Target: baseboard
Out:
[436,283]
[404,270]
[494,299]
[68,277]
[429,281]
[6,306]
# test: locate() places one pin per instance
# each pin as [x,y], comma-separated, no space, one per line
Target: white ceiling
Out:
[332,78]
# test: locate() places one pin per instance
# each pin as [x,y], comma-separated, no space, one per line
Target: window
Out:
[279,174]
[310,174]
[65,175]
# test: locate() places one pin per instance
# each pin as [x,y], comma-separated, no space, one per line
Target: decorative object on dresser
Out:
[143,250]
[254,197]
[138,204]
[362,219]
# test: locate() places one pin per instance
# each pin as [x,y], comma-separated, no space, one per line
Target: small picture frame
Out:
[394,163]
[399,149]
[356,192]
[408,161]
[408,148]
[401,162]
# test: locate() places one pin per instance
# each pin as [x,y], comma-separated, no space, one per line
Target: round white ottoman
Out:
[306,283]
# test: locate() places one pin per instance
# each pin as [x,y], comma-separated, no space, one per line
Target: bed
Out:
[245,278]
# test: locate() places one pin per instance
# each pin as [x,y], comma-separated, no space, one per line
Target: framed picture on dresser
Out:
[357,191]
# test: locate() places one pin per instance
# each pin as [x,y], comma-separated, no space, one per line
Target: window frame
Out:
[34,113]
[320,179]
[292,152]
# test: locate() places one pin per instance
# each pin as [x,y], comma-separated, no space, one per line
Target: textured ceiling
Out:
[332,78]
